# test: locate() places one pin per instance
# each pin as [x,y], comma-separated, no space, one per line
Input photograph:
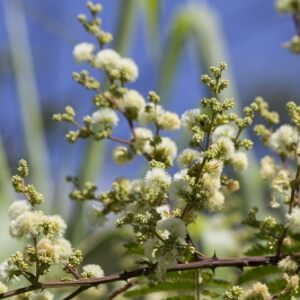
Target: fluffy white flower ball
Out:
[227,131]
[6,272]
[17,208]
[26,224]
[215,202]
[105,115]
[83,52]
[240,161]
[132,99]
[150,113]
[143,135]
[107,59]
[284,138]
[171,226]
[293,220]
[93,270]
[187,156]
[189,118]
[259,291]
[267,167]
[3,287]
[128,69]
[45,295]
[157,177]
[169,121]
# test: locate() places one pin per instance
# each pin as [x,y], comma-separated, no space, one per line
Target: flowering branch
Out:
[160,205]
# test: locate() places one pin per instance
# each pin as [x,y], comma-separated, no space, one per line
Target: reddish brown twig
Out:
[208,263]
[124,288]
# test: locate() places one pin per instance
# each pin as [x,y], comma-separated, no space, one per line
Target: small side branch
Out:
[124,288]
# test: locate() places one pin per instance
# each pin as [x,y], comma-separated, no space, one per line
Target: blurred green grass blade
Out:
[169,61]
[205,27]
[91,165]
[124,27]
[6,191]
[151,10]
[6,198]
[28,96]
[94,152]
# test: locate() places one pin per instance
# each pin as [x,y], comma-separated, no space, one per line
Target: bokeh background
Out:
[172,41]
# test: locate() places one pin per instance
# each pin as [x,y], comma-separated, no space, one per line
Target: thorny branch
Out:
[208,263]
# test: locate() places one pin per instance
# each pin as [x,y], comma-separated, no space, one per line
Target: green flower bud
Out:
[23,168]
[57,117]
[70,111]
[153,97]
[81,18]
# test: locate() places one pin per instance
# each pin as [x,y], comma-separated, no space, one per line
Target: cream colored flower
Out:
[17,208]
[128,69]
[293,220]
[240,161]
[105,115]
[107,59]
[169,121]
[93,271]
[83,52]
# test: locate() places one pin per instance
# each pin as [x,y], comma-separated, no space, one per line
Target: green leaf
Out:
[258,273]
[276,286]
[162,287]
[257,250]
[181,297]
[209,280]
[210,294]
[182,282]
[181,275]
[134,248]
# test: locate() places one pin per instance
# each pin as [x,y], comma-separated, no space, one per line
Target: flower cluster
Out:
[45,242]
[160,205]
[200,184]
[291,7]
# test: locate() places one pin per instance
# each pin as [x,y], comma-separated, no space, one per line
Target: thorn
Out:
[124,276]
[215,255]
[213,269]
[241,268]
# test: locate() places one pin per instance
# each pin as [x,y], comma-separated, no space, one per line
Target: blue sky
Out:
[253,33]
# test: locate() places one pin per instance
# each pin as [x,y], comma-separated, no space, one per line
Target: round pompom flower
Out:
[293,220]
[83,52]
[284,138]
[189,118]
[240,161]
[17,208]
[92,271]
[105,115]
[26,224]
[107,59]
[128,69]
